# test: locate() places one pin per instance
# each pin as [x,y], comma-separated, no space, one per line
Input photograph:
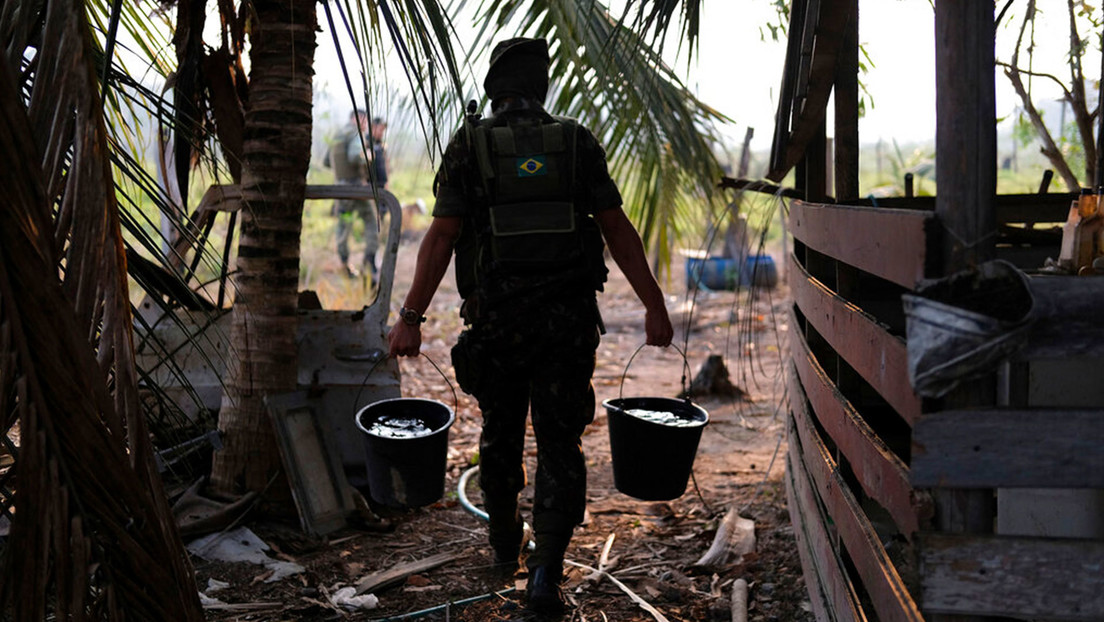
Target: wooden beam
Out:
[342,191]
[1052,208]
[882,475]
[1009,208]
[227,197]
[815,165]
[891,244]
[846,140]
[966,138]
[879,357]
[965,131]
[780,144]
[830,591]
[828,18]
[1009,448]
[1005,576]
[880,578]
[755,185]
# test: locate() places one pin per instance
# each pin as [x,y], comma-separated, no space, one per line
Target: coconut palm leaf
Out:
[420,32]
[95,535]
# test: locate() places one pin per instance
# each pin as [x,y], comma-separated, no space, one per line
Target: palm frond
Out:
[421,34]
[91,512]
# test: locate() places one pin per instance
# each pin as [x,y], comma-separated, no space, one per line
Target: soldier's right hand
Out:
[657,328]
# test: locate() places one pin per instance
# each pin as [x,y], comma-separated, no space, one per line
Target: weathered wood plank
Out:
[1009,448]
[1038,208]
[341,191]
[965,125]
[846,124]
[227,197]
[1054,579]
[830,23]
[965,133]
[879,357]
[882,475]
[1068,318]
[830,591]
[880,578]
[891,244]
[382,579]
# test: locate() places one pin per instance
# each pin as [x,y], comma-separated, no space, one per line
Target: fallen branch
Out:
[624,588]
[739,600]
[391,576]
[243,607]
[603,560]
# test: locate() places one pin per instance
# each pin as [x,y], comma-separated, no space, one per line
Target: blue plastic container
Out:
[719,273]
[730,273]
[760,271]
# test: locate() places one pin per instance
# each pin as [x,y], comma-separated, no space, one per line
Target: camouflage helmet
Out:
[519,68]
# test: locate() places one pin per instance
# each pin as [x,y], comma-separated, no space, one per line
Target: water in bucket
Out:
[399,426]
[662,417]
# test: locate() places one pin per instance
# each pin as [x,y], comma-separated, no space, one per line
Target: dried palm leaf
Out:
[93,529]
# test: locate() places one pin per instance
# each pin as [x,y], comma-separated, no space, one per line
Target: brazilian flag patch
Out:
[532,166]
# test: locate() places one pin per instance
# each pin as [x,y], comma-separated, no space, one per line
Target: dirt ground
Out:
[653,546]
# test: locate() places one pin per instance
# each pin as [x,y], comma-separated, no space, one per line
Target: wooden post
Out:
[965,131]
[847,111]
[846,171]
[745,154]
[816,169]
[965,137]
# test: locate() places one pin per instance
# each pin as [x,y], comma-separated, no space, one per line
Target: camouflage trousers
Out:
[348,211]
[538,359]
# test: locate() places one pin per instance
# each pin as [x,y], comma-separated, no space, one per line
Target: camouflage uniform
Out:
[351,168]
[530,345]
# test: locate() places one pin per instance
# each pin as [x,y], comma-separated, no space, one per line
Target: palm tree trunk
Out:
[275,159]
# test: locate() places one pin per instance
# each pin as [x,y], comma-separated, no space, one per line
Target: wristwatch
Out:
[411,317]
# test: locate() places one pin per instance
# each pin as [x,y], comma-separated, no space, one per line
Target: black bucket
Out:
[406,472]
[652,459]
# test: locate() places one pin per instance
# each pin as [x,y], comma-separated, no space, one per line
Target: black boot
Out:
[542,593]
[505,533]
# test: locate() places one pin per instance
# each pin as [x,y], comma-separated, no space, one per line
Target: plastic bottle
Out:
[1086,203]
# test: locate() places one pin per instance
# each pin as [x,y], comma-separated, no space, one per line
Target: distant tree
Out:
[1062,150]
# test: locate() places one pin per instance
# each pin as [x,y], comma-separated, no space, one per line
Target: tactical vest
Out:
[345,169]
[525,219]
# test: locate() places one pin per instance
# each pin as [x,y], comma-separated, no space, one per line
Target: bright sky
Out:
[739,73]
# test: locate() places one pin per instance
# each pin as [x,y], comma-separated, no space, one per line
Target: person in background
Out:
[351,167]
[380,165]
[525,200]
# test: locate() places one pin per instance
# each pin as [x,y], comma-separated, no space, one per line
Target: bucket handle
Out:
[455,399]
[685,366]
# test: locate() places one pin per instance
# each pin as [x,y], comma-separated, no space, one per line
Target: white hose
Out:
[462,494]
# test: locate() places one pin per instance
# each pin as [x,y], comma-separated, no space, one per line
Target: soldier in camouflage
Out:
[525,200]
[347,157]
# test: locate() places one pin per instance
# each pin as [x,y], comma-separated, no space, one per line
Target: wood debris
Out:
[396,574]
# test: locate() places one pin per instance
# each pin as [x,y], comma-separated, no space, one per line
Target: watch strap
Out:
[411,317]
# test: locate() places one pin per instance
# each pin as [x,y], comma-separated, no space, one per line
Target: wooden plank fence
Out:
[867,456]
